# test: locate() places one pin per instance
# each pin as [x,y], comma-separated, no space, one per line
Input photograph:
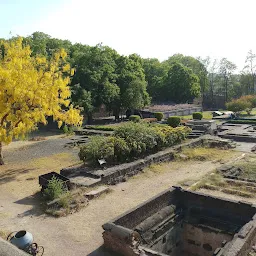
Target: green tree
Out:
[181,84]
[155,73]
[132,84]
[197,66]
[226,69]
[95,72]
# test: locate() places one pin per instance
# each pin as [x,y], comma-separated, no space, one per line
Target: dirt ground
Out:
[81,233]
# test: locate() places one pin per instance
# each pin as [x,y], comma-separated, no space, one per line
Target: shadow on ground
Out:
[11,174]
[101,251]
[36,201]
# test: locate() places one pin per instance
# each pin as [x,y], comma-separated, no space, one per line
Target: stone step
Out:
[97,192]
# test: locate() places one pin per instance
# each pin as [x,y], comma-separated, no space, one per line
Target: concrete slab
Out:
[97,192]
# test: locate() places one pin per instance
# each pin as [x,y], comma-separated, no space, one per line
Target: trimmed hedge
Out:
[134,118]
[131,141]
[197,115]
[159,116]
[173,121]
[101,127]
[241,121]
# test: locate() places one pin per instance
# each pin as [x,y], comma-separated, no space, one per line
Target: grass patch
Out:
[248,168]
[67,203]
[4,234]
[55,161]
[204,154]
[206,115]
[215,181]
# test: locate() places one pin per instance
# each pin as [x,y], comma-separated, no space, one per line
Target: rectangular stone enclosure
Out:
[179,222]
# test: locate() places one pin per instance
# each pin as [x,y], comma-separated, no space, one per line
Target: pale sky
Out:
[150,28]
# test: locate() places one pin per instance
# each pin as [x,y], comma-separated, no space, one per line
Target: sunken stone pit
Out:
[179,222]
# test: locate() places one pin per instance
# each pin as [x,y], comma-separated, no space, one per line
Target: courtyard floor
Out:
[79,233]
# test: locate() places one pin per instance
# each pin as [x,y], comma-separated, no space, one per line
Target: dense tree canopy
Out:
[195,65]
[181,84]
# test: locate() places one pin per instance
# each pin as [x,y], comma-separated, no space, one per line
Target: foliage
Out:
[173,121]
[94,82]
[112,149]
[32,89]
[197,115]
[131,140]
[149,120]
[196,65]
[140,138]
[159,116]
[132,84]
[55,189]
[134,118]
[155,72]
[101,127]
[242,121]
[181,84]
[68,130]
[238,105]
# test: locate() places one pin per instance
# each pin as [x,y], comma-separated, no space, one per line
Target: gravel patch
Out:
[38,149]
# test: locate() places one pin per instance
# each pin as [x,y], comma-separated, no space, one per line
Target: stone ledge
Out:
[7,249]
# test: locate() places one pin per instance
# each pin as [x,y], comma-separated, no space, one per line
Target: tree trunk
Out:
[1,154]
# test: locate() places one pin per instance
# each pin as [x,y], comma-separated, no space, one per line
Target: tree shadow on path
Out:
[35,201]
[11,174]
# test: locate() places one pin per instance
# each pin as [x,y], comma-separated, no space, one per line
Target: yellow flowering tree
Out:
[32,89]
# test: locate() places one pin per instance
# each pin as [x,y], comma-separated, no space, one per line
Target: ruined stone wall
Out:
[136,215]
[180,222]
[225,209]
[202,241]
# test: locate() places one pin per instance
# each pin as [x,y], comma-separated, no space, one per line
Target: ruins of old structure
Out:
[180,222]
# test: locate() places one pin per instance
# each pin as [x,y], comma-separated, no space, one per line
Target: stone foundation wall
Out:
[198,225]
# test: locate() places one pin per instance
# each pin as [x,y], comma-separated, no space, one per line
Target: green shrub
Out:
[101,127]
[134,118]
[65,200]
[55,189]
[149,120]
[238,105]
[172,135]
[140,137]
[110,148]
[65,129]
[197,115]
[68,130]
[173,121]
[159,116]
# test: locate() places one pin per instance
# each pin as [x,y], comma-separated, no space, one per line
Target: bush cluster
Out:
[159,116]
[111,148]
[197,115]
[244,103]
[173,121]
[130,141]
[134,118]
